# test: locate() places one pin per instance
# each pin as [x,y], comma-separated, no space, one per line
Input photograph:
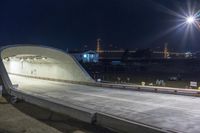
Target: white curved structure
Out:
[40,62]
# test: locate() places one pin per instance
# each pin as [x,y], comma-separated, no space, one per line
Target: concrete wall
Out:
[46,70]
[58,65]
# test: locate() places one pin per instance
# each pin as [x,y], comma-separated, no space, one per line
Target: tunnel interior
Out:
[36,66]
[43,63]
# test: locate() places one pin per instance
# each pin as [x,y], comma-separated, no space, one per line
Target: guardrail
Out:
[156,89]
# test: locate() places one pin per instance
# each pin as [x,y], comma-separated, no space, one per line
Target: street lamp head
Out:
[190,19]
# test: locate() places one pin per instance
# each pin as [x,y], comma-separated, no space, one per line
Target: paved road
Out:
[13,120]
[171,112]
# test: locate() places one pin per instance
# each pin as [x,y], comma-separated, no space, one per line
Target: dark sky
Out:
[75,23]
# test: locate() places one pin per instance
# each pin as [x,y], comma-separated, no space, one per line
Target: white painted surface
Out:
[59,65]
[193,84]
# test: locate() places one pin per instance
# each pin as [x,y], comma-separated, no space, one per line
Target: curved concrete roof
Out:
[71,69]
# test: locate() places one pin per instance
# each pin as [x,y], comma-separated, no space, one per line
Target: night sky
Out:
[74,23]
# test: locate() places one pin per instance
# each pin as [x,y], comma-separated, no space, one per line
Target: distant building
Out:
[90,56]
[87,56]
[188,55]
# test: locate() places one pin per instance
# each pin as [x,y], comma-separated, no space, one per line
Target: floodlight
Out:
[190,19]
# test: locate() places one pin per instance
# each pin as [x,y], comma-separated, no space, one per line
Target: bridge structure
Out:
[53,79]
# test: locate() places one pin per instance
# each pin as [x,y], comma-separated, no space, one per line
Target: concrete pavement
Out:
[14,121]
[170,112]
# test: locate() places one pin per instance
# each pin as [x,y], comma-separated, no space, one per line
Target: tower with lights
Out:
[166,51]
[98,45]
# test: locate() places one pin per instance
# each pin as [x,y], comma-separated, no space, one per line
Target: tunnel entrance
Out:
[35,66]
[40,62]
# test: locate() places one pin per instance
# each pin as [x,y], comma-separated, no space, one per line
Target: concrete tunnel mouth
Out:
[40,62]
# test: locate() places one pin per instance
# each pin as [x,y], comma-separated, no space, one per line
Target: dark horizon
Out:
[74,23]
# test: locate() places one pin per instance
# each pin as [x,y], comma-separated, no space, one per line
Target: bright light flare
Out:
[190,19]
[187,19]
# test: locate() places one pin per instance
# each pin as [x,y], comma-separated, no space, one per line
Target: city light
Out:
[44,58]
[14,66]
[190,20]
[85,56]
[187,19]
